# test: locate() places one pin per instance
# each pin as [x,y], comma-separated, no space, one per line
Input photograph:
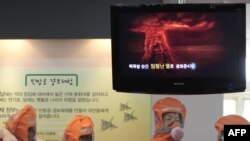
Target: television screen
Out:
[178,48]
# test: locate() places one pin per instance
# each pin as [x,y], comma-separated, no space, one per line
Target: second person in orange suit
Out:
[81,128]
[170,116]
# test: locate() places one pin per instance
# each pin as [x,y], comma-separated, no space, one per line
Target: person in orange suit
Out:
[81,128]
[228,120]
[22,126]
[170,116]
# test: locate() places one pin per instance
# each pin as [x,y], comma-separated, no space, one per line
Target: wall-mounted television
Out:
[178,48]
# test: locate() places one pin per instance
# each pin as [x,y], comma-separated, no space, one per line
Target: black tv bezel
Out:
[183,86]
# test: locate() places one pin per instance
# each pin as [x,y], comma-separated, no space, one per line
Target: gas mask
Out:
[32,134]
[172,124]
[88,137]
[85,137]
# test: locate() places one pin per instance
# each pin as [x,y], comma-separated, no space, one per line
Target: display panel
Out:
[191,48]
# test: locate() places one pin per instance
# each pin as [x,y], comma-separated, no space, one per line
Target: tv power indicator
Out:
[179,83]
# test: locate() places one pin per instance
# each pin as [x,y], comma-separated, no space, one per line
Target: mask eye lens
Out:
[86,138]
[167,117]
[31,134]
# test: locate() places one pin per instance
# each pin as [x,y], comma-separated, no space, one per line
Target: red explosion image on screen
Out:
[156,28]
[174,44]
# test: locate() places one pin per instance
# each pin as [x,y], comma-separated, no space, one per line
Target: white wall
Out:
[55,53]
